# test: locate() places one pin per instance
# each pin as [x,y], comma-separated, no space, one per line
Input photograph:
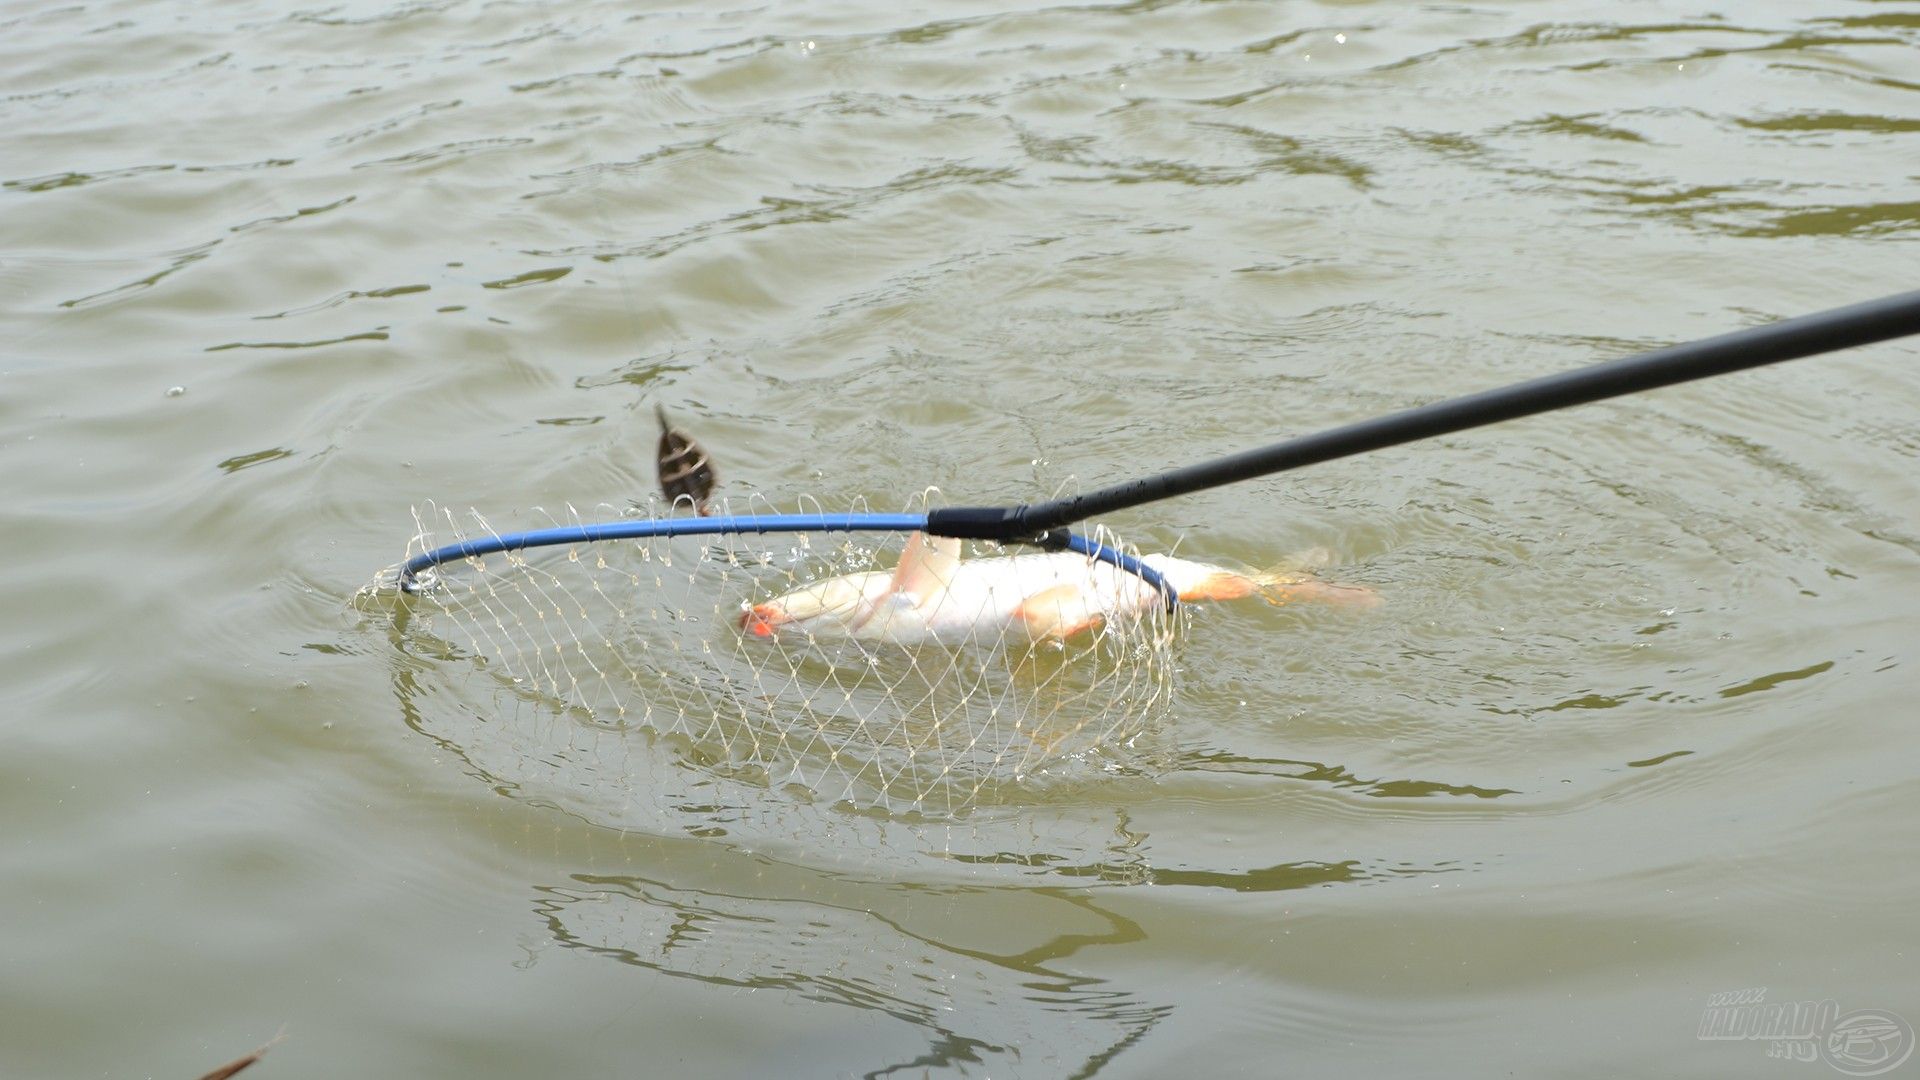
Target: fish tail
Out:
[1293,587]
[1279,587]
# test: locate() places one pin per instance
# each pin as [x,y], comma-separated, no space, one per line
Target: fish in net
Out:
[884,670]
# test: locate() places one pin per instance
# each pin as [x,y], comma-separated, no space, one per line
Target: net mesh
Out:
[651,636]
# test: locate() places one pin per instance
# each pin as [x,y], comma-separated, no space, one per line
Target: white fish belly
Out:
[984,597]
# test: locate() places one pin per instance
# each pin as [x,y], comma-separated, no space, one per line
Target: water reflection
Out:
[898,952]
[1337,776]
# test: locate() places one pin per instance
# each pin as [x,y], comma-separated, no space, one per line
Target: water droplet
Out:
[1339,39]
[176,391]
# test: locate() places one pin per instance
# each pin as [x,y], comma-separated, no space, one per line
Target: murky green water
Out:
[1636,725]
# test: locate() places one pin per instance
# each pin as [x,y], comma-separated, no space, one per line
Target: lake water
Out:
[1635,725]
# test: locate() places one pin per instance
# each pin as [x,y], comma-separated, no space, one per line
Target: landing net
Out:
[659,635]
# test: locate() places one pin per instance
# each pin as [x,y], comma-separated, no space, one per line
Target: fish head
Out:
[868,605]
[833,605]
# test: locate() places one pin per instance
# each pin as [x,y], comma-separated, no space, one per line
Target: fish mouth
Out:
[762,620]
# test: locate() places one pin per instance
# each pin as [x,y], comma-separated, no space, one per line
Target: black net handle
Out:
[1790,339]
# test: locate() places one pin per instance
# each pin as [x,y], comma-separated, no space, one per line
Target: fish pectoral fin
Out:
[926,567]
[925,570]
[1058,613]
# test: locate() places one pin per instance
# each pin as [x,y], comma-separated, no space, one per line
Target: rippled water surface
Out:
[1634,726]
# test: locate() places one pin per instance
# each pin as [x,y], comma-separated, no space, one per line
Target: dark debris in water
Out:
[239,1064]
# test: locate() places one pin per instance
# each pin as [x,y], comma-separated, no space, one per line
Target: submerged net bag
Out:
[662,636]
